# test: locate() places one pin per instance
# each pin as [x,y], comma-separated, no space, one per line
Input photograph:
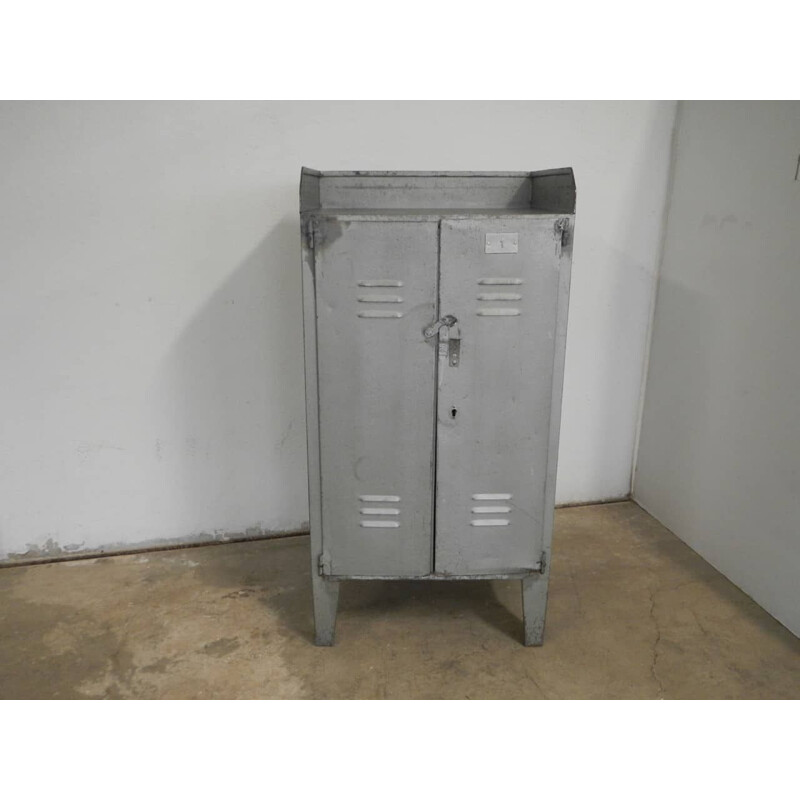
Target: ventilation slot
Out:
[379,511]
[380,298]
[378,523]
[380,314]
[500,282]
[491,516]
[380,283]
[501,296]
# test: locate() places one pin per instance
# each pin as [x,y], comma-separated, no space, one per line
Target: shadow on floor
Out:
[280,574]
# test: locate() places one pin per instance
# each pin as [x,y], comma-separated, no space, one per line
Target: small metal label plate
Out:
[502,242]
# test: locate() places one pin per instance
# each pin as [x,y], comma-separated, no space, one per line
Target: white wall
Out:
[150,312]
[719,460]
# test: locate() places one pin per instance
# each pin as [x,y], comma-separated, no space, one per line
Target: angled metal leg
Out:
[326,600]
[534,606]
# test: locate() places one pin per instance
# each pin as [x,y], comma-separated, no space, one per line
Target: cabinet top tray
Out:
[546,191]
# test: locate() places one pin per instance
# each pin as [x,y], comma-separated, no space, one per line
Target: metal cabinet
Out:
[435,314]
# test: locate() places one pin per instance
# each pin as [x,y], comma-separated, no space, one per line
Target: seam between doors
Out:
[435,431]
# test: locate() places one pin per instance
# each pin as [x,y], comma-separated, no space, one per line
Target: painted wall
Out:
[719,459]
[150,311]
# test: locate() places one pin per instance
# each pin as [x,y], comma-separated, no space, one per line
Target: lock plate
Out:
[453,351]
[449,340]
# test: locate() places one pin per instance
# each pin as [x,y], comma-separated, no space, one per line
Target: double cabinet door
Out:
[435,345]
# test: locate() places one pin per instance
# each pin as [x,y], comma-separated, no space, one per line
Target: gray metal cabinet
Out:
[435,314]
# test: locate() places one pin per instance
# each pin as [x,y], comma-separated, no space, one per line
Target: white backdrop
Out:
[150,313]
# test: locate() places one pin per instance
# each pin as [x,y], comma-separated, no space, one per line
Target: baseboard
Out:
[82,555]
[624,499]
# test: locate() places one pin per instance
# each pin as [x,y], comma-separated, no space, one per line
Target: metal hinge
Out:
[312,232]
[543,563]
[324,564]
[561,233]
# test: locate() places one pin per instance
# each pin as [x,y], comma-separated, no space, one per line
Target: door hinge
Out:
[543,563]
[312,232]
[324,564]
[561,233]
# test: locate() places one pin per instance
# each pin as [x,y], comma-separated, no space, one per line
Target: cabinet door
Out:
[376,288]
[500,279]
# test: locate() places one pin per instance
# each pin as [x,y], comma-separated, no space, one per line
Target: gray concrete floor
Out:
[633,613]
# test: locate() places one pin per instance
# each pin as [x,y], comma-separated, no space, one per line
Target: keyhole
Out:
[453,412]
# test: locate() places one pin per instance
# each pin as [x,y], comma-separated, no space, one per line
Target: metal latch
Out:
[432,329]
[449,338]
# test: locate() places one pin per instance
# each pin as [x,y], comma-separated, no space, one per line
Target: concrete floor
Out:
[633,613]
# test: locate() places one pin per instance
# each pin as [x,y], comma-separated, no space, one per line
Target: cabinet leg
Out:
[326,600]
[534,606]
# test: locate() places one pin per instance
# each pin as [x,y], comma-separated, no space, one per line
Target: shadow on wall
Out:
[672,390]
[237,403]
[613,286]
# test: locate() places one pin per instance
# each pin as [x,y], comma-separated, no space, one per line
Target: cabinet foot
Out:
[534,606]
[326,601]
